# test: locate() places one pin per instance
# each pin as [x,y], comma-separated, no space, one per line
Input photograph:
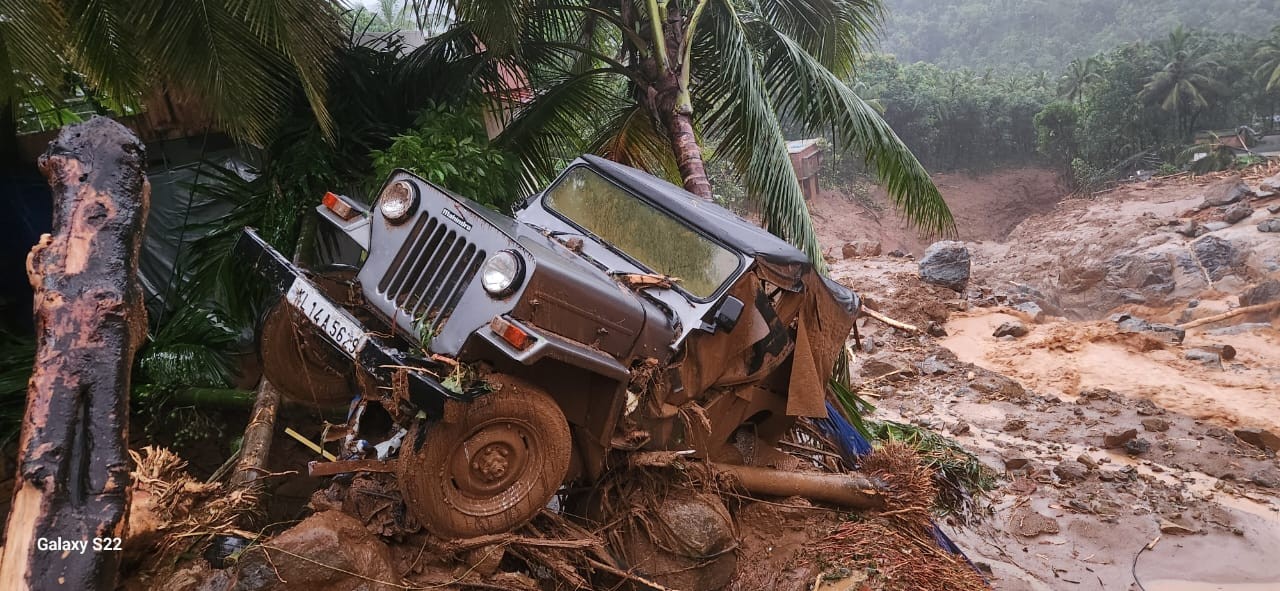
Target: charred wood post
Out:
[73,471]
[847,490]
[256,446]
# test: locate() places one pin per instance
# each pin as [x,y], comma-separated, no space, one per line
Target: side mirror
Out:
[724,316]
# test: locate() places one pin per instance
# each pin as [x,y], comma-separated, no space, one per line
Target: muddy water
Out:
[1063,358]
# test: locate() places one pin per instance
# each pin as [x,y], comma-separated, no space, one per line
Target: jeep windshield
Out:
[642,232]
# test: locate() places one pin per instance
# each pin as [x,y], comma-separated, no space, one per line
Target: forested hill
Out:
[1045,35]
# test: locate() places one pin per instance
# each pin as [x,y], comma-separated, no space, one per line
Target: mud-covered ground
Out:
[1110,442]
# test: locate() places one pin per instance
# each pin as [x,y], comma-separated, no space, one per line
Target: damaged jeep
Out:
[490,360]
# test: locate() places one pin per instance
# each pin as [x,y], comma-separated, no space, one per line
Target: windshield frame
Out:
[720,290]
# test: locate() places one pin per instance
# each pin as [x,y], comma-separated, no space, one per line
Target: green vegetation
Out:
[1046,35]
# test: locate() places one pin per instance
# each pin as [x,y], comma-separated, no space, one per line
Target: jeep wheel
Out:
[490,471]
[299,362]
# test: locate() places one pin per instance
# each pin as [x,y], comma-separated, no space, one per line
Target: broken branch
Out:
[1232,314]
[889,321]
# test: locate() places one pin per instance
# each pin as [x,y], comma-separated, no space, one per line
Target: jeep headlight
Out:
[397,201]
[501,274]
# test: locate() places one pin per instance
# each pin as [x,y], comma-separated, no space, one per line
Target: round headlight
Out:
[397,201]
[501,274]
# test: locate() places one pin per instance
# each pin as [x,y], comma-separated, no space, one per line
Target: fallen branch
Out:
[256,446]
[1232,314]
[889,321]
[73,469]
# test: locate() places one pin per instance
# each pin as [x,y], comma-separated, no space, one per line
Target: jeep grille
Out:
[427,277]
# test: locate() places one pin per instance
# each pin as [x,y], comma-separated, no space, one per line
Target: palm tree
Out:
[1075,82]
[1186,80]
[647,82]
[241,59]
[1269,55]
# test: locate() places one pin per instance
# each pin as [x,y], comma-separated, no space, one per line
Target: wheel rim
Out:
[493,468]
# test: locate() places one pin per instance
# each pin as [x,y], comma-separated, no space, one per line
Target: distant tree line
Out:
[1040,35]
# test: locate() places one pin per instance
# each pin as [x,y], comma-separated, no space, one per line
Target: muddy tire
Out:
[490,471]
[300,363]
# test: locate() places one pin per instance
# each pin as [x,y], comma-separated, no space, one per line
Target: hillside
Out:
[1045,35]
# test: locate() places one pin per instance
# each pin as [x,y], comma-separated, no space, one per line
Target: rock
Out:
[1219,257]
[889,368]
[1137,447]
[1215,226]
[1155,424]
[1271,225]
[1273,209]
[860,248]
[1029,524]
[1191,229]
[1032,310]
[1012,328]
[1218,433]
[1270,184]
[355,557]
[1146,408]
[1268,478]
[1016,463]
[1086,461]
[1205,357]
[1068,472]
[1175,529]
[935,329]
[1165,332]
[1263,293]
[1015,425]
[1100,394]
[1236,213]
[1119,439]
[898,253]
[960,428]
[946,263]
[1225,192]
[932,366]
[999,386]
[1259,438]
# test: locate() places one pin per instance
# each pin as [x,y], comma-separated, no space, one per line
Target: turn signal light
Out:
[510,333]
[338,206]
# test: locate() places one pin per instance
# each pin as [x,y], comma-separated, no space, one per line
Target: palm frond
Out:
[631,138]
[28,49]
[548,130]
[193,348]
[834,32]
[824,102]
[745,121]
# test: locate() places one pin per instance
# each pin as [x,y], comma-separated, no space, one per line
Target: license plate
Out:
[330,319]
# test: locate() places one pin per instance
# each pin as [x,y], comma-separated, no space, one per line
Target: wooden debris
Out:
[73,467]
[889,321]
[257,437]
[1232,314]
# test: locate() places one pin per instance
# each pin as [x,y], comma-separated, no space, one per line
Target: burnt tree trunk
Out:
[73,471]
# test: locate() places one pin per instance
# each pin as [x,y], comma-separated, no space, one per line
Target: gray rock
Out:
[1236,212]
[1225,192]
[1012,328]
[1032,310]
[1155,424]
[1271,225]
[1014,425]
[1165,332]
[1191,229]
[1219,257]
[1263,293]
[861,248]
[998,385]
[1270,184]
[1119,439]
[1203,356]
[1242,328]
[1260,438]
[1137,447]
[932,366]
[960,428]
[1273,208]
[934,329]
[1138,275]
[1215,226]
[1087,461]
[1268,478]
[947,264]
[889,368]
[1068,472]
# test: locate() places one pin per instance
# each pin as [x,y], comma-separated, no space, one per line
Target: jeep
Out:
[488,360]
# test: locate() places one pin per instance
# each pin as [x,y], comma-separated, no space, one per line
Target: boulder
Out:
[1165,332]
[1068,472]
[1219,257]
[1259,438]
[1236,213]
[860,248]
[1263,293]
[1270,184]
[1012,328]
[1119,439]
[1191,229]
[1271,225]
[1155,424]
[1032,310]
[1225,192]
[1140,274]
[946,263]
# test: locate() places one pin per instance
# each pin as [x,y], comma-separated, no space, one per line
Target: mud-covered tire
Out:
[297,360]
[490,471]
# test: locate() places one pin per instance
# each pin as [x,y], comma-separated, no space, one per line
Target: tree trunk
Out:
[73,471]
[688,154]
